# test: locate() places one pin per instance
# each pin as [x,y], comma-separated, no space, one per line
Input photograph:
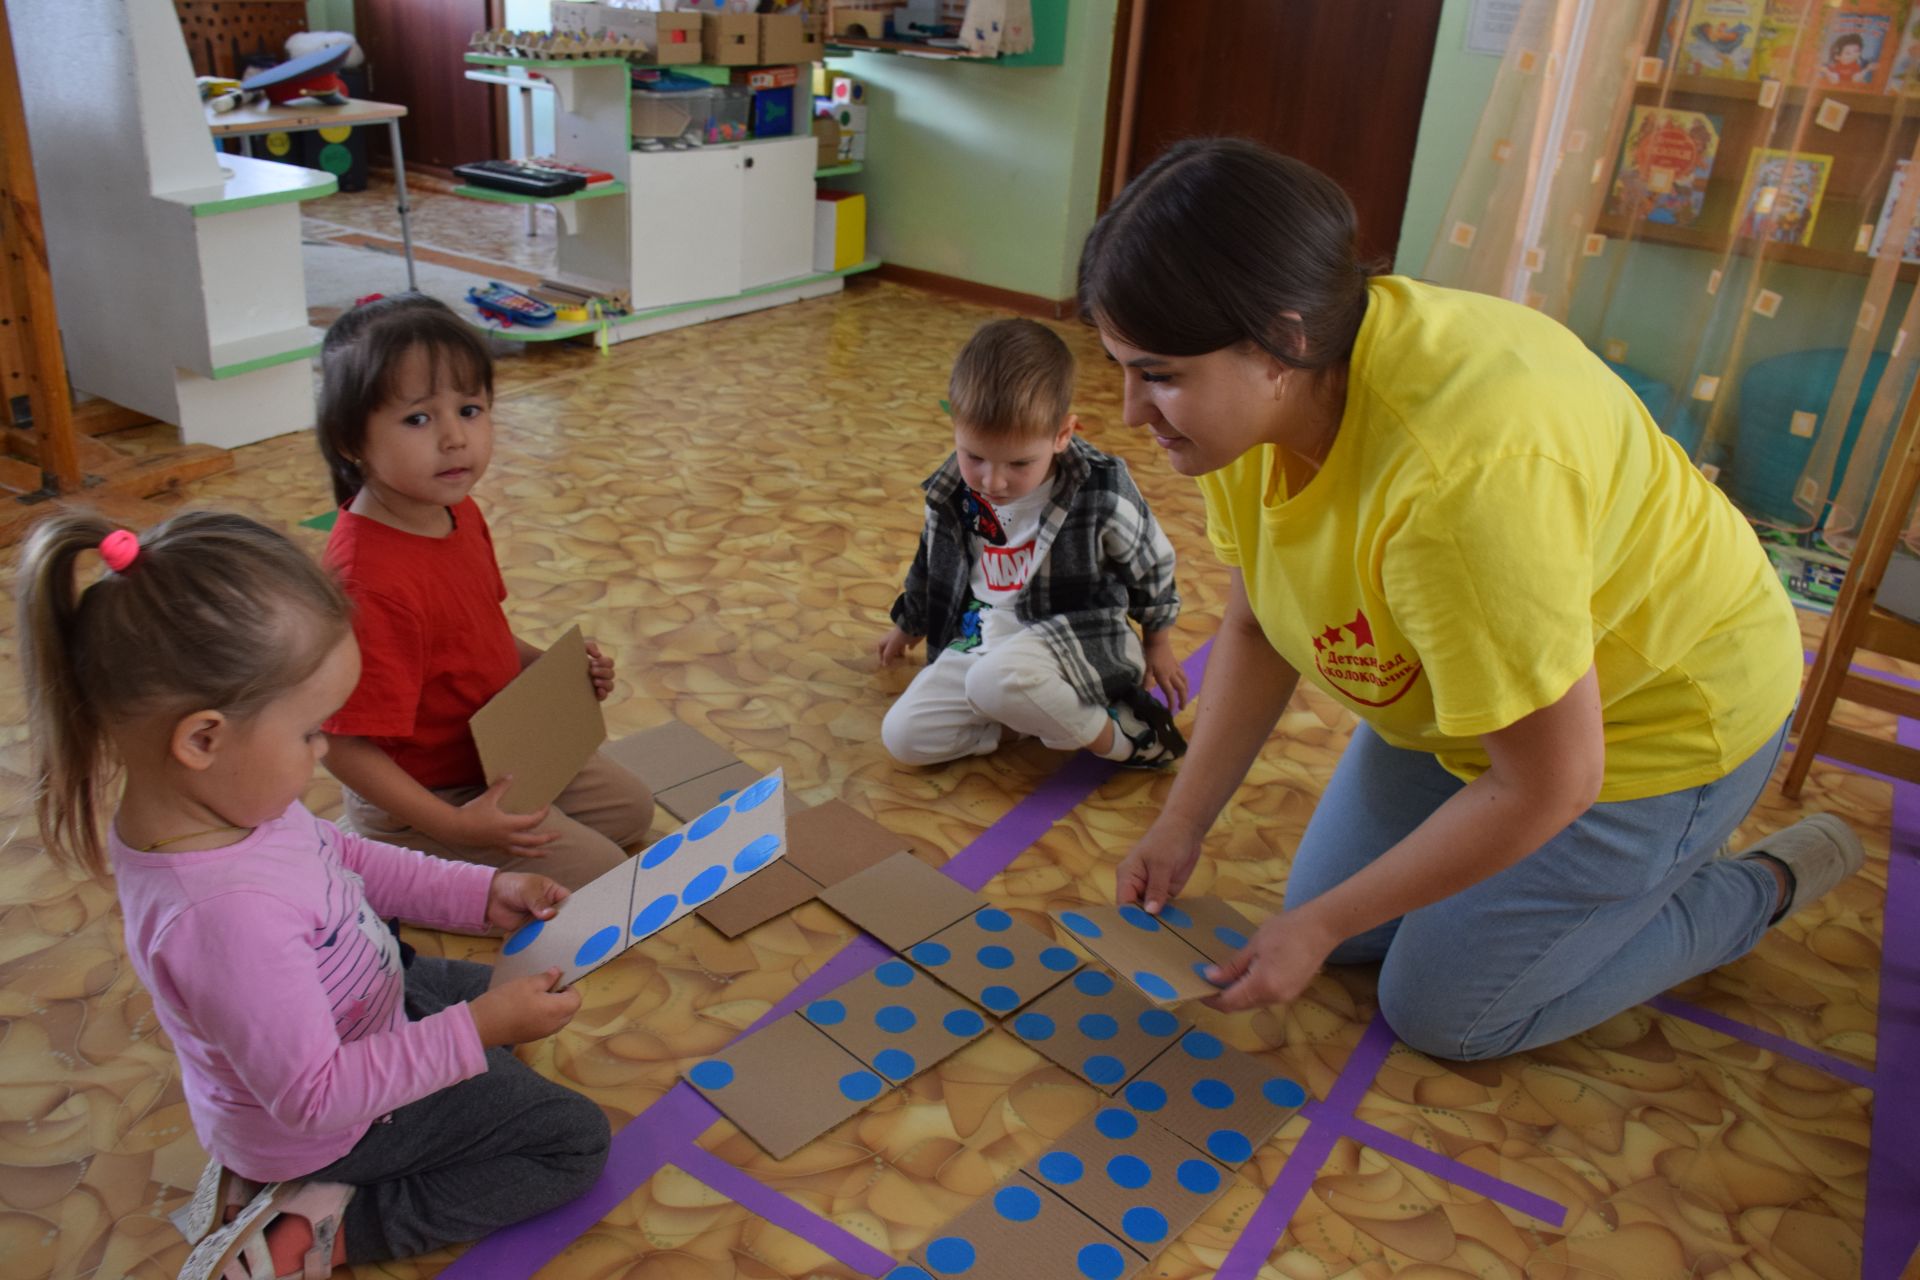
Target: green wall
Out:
[1457,90]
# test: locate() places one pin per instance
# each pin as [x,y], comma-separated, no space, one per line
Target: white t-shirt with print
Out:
[1000,572]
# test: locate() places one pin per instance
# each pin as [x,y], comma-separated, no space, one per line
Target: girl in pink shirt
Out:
[358,1101]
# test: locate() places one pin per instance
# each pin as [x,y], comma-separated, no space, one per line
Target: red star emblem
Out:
[1362,630]
[1331,635]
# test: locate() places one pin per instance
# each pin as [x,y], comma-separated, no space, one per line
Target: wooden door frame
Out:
[1123,84]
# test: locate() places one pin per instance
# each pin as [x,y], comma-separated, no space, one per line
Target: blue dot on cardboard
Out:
[708,823]
[907,1273]
[1000,999]
[1138,919]
[728,794]
[826,1013]
[1079,924]
[654,914]
[1092,982]
[894,1064]
[757,854]
[703,886]
[1145,1095]
[1104,1068]
[894,973]
[1148,1226]
[1017,1204]
[598,947]
[1130,1172]
[1232,937]
[1158,1022]
[930,954]
[1199,1044]
[1214,1095]
[1116,1123]
[523,937]
[1033,1026]
[861,1085]
[993,919]
[1154,985]
[662,849]
[950,1255]
[1200,968]
[1058,959]
[995,958]
[1229,1146]
[756,795]
[1198,1176]
[895,1019]
[1100,1262]
[1176,917]
[1282,1092]
[963,1022]
[1062,1168]
[712,1074]
[1098,1026]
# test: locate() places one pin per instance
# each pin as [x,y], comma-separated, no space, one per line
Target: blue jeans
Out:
[1626,902]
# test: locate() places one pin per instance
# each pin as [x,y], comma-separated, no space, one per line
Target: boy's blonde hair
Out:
[1013,378]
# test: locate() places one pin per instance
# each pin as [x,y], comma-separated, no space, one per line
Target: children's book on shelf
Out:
[1780,197]
[1912,253]
[1853,49]
[1664,166]
[1786,33]
[1718,38]
[1904,73]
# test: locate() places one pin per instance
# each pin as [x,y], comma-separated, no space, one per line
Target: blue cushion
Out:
[1767,457]
[1658,397]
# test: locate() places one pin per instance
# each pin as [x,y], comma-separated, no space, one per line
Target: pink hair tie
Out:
[119,549]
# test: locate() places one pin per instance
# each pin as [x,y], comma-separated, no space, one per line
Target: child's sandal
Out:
[238,1250]
[218,1187]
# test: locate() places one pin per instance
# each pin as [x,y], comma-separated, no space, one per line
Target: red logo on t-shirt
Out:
[1367,678]
[1006,567]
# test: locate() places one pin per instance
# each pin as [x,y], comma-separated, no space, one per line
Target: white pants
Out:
[960,703]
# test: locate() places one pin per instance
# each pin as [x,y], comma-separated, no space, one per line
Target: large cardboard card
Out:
[901,900]
[1214,1097]
[669,754]
[1130,1176]
[896,1019]
[670,877]
[1161,964]
[1022,1231]
[1211,926]
[773,891]
[785,1085]
[994,960]
[832,841]
[1098,1029]
[542,728]
[707,790]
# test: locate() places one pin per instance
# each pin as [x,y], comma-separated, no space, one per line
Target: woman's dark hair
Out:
[1215,244]
[360,361]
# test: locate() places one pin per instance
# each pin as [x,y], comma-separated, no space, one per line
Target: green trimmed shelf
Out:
[839,170]
[562,64]
[514,197]
[251,183]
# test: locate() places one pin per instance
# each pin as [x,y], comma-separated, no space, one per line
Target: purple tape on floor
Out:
[789,1215]
[1893,1163]
[1851,1072]
[1466,1177]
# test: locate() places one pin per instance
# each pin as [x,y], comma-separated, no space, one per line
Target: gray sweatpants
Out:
[462,1162]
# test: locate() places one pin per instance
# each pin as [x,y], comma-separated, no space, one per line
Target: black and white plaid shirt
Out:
[1100,558]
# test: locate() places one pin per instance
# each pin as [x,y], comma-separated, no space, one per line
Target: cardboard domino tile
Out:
[1211,926]
[1022,1231]
[542,728]
[1103,1032]
[994,960]
[1159,962]
[655,887]
[690,799]
[901,900]
[669,754]
[896,1019]
[785,1085]
[1130,1176]
[1214,1097]
[777,889]
[832,841]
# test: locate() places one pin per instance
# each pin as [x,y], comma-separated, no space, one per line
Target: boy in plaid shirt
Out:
[1036,551]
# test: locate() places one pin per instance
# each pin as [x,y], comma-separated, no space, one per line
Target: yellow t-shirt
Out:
[1498,513]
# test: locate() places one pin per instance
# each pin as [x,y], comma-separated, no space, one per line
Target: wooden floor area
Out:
[729,509]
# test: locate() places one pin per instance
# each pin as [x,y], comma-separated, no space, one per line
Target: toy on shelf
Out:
[522,178]
[555,46]
[509,306]
[312,76]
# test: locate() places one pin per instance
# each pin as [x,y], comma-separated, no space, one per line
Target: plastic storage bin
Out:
[729,113]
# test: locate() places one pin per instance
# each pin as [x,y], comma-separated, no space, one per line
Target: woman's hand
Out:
[1163,668]
[1157,868]
[1275,966]
[600,667]
[516,897]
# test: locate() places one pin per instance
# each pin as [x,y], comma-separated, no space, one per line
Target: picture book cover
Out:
[1664,165]
[1852,52]
[1778,53]
[1904,74]
[1894,188]
[1780,197]
[1719,38]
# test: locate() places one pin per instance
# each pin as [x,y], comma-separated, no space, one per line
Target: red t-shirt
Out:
[434,642]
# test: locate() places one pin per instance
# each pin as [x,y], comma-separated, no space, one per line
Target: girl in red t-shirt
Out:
[406,427]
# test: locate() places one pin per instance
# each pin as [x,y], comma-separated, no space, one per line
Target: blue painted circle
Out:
[1232,937]
[895,1019]
[654,914]
[1100,1262]
[1117,1123]
[1229,1146]
[1282,1092]
[523,937]
[599,946]
[660,850]
[1176,916]
[1138,919]
[728,794]
[1154,985]
[1000,999]
[930,954]
[1145,1095]
[1098,1026]
[1198,1176]
[1033,1026]
[755,796]
[826,1013]
[708,823]
[1158,1022]
[861,1085]
[757,854]
[1061,1167]
[993,920]
[894,1064]
[1199,1044]
[1058,959]
[1017,1204]
[963,1022]
[1148,1226]
[1200,968]
[1130,1172]
[1214,1095]
[712,1074]
[1092,982]
[995,958]
[1079,924]
[894,973]
[703,886]
[1103,1068]
[907,1273]
[950,1255]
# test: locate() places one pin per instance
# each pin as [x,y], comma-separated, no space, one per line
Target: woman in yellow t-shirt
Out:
[1571,661]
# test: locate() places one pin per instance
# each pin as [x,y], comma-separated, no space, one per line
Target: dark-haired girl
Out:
[1571,662]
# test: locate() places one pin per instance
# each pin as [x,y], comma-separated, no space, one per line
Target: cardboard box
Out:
[672,39]
[730,39]
[851,115]
[790,37]
[862,24]
[826,134]
[839,230]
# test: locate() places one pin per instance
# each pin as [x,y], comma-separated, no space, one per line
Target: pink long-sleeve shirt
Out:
[270,968]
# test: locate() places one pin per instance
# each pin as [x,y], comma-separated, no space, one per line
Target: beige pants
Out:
[604,813]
